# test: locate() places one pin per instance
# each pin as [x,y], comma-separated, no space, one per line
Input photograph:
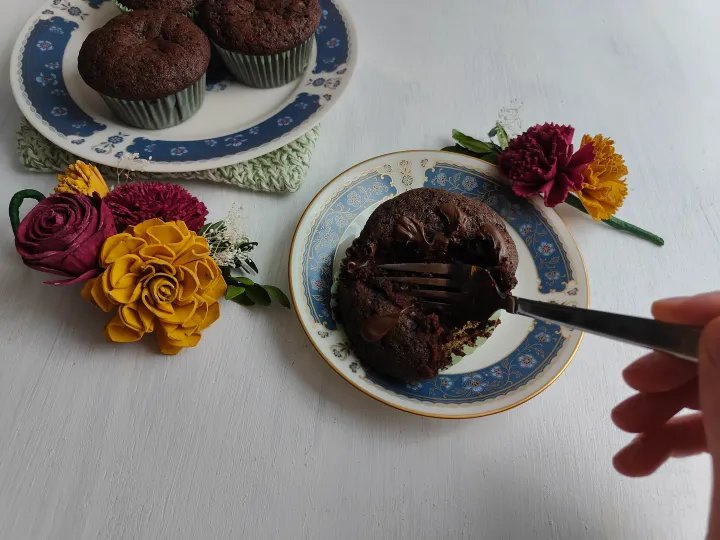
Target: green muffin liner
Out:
[268,70]
[192,15]
[160,113]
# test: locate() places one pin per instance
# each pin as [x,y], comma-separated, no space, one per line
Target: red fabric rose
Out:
[541,161]
[62,235]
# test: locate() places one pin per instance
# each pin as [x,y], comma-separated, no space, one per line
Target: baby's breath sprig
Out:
[229,245]
[230,248]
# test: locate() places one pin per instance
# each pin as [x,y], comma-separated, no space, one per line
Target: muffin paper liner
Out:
[268,70]
[160,113]
[193,15]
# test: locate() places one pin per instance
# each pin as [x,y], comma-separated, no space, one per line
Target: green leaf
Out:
[493,132]
[243,300]
[618,224]
[490,158]
[258,295]
[209,226]
[457,149]
[277,295]
[252,265]
[502,136]
[16,203]
[233,291]
[245,281]
[470,143]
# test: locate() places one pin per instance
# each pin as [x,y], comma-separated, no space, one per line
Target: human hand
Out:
[666,385]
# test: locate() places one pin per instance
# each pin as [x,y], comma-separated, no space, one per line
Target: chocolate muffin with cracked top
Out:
[149,66]
[265,43]
[392,332]
[187,7]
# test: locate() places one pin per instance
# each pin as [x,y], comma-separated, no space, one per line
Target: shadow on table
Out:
[312,370]
[31,308]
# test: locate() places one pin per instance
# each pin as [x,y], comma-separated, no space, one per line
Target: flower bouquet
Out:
[143,252]
[542,161]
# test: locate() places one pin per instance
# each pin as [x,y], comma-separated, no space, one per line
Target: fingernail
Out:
[710,344]
[671,302]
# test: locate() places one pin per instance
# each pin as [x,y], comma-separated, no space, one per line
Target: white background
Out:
[251,435]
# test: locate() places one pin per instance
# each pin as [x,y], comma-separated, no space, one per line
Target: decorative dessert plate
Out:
[519,360]
[236,123]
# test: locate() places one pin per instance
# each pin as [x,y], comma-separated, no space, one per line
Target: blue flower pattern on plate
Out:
[109,145]
[50,37]
[474,383]
[47,80]
[326,231]
[236,141]
[332,41]
[71,10]
[261,134]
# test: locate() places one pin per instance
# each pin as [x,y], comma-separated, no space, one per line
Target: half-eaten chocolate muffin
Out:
[391,330]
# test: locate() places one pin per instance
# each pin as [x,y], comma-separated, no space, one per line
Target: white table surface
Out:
[252,435]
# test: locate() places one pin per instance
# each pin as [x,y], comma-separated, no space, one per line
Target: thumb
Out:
[710,405]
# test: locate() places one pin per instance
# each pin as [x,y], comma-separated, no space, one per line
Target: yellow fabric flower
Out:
[604,189]
[162,279]
[82,178]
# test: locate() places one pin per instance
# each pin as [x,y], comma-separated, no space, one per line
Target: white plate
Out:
[236,123]
[521,358]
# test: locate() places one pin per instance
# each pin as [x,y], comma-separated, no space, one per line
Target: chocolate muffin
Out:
[149,66]
[186,7]
[265,43]
[391,330]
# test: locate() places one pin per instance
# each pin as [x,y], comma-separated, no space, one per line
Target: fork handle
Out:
[675,339]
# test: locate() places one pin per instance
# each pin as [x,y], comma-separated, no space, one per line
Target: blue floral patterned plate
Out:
[520,359]
[235,124]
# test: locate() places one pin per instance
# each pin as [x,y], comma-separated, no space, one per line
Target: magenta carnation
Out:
[541,161]
[136,202]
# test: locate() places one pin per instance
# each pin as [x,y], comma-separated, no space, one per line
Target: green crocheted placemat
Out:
[281,170]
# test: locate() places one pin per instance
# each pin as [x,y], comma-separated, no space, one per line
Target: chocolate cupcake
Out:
[391,330]
[186,7]
[149,66]
[265,43]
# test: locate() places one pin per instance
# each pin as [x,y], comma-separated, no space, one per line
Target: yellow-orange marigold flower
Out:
[161,278]
[82,178]
[604,189]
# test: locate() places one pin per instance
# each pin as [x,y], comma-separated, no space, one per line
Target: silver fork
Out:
[455,285]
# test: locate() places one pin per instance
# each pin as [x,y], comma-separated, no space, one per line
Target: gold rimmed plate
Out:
[520,359]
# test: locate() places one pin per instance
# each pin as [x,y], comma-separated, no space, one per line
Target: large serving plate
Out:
[521,358]
[235,124]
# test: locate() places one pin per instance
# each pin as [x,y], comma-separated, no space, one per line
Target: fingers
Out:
[659,372]
[710,386]
[698,310]
[645,412]
[683,436]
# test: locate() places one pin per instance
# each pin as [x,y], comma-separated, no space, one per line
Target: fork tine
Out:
[433,282]
[436,305]
[441,295]
[423,268]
